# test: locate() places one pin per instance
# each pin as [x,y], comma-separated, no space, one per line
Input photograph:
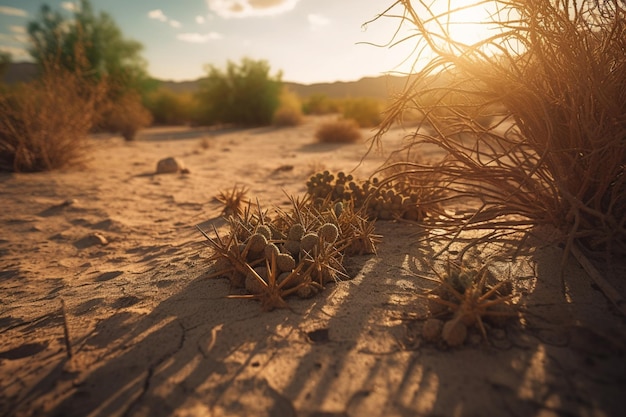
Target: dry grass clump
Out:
[339,131]
[126,116]
[44,124]
[551,147]
[296,252]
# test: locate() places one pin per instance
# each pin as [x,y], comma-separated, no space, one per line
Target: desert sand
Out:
[151,335]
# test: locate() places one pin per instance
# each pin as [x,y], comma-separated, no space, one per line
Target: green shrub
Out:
[244,94]
[367,112]
[338,131]
[169,108]
[289,112]
[320,104]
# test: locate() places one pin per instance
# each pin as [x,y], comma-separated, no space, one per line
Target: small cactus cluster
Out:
[384,200]
[462,299]
[298,252]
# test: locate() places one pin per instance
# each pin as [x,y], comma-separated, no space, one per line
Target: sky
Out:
[309,41]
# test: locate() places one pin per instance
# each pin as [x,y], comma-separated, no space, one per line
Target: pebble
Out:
[171,165]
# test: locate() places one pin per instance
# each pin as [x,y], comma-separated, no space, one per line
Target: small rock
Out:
[68,202]
[171,166]
[91,240]
[100,239]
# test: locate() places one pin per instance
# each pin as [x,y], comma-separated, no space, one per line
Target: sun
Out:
[462,23]
[453,27]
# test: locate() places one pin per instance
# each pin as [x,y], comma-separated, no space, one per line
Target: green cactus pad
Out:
[271,249]
[296,231]
[265,231]
[329,233]
[257,243]
[285,262]
[309,242]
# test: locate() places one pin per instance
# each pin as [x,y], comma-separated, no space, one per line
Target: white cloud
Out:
[199,37]
[18,29]
[248,8]
[200,20]
[12,11]
[18,34]
[316,20]
[70,6]
[157,15]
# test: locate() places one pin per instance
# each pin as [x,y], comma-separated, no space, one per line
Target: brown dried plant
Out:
[339,131]
[233,200]
[550,145]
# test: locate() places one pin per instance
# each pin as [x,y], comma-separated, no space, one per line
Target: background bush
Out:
[367,112]
[170,108]
[320,104]
[244,94]
[289,112]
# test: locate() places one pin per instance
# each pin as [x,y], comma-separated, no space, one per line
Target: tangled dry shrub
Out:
[338,131]
[44,124]
[554,149]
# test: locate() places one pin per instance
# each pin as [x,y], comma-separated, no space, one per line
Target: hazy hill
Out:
[19,72]
[377,87]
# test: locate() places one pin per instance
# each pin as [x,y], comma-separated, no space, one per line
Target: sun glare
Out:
[462,23]
[453,25]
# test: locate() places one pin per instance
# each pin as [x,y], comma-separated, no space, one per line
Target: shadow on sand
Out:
[343,353]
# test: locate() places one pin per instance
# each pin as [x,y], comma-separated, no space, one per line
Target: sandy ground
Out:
[152,335]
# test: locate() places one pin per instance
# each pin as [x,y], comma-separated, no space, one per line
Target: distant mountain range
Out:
[375,87]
